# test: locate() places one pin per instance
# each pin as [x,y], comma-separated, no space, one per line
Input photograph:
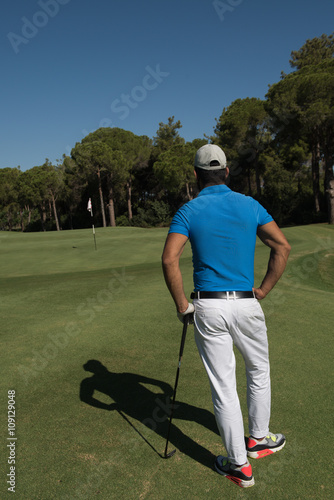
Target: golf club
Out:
[140,434]
[184,333]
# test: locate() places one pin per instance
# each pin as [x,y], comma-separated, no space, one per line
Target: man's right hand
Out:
[190,310]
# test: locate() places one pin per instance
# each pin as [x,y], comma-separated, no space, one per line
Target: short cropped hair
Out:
[211,177]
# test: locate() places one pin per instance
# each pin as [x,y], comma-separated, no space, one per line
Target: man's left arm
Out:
[172,252]
[271,235]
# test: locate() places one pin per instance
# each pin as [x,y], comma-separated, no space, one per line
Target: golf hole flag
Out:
[89,206]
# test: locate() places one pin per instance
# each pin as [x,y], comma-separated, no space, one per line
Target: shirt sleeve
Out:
[180,223]
[262,215]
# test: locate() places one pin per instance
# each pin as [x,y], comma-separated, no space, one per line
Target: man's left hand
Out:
[259,294]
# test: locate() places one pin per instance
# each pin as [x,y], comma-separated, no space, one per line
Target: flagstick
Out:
[90,208]
[94,236]
[93,230]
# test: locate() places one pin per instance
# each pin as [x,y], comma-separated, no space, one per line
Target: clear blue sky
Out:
[72,66]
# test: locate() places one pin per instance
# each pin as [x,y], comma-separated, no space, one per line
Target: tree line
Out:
[280,150]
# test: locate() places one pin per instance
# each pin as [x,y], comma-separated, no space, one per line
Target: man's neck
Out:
[200,186]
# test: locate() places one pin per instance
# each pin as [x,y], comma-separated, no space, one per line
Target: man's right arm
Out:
[173,249]
[271,235]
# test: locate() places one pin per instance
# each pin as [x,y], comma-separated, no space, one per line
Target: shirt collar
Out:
[219,188]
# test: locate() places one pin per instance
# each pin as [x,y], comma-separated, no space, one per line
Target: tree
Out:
[308,97]
[73,189]
[92,159]
[167,136]
[313,52]
[166,140]
[9,178]
[139,169]
[280,190]
[133,154]
[38,187]
[53,179]
[35,193]
[175,169]
[24,198]
[302,104]
[117,172]
[242,131]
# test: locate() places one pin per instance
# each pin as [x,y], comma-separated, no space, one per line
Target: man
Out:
[222,226]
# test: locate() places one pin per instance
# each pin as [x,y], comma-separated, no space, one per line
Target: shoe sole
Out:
[236,480]
[264,453]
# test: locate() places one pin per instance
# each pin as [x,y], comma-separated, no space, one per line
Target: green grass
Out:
[63,303]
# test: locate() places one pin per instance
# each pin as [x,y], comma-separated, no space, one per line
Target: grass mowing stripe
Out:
[69,251]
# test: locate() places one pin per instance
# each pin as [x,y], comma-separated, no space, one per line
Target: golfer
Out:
[222,226]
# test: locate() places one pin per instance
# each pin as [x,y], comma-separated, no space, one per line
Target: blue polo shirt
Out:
[221,226]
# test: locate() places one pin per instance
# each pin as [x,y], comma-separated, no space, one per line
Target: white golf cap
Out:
[210,157]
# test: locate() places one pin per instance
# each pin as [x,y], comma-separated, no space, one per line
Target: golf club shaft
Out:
[138,432]
[183,339]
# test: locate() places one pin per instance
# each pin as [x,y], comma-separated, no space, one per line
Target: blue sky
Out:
[69,67]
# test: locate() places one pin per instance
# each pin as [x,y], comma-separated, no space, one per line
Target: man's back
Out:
[221,226]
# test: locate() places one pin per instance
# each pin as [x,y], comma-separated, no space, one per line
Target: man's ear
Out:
[195,174]
[227,172]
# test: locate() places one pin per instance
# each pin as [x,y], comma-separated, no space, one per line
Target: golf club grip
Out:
[184,333]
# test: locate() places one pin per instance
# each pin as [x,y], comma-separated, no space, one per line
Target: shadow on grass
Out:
[133,399]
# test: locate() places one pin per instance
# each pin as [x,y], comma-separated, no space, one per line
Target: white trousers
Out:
[218,324]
